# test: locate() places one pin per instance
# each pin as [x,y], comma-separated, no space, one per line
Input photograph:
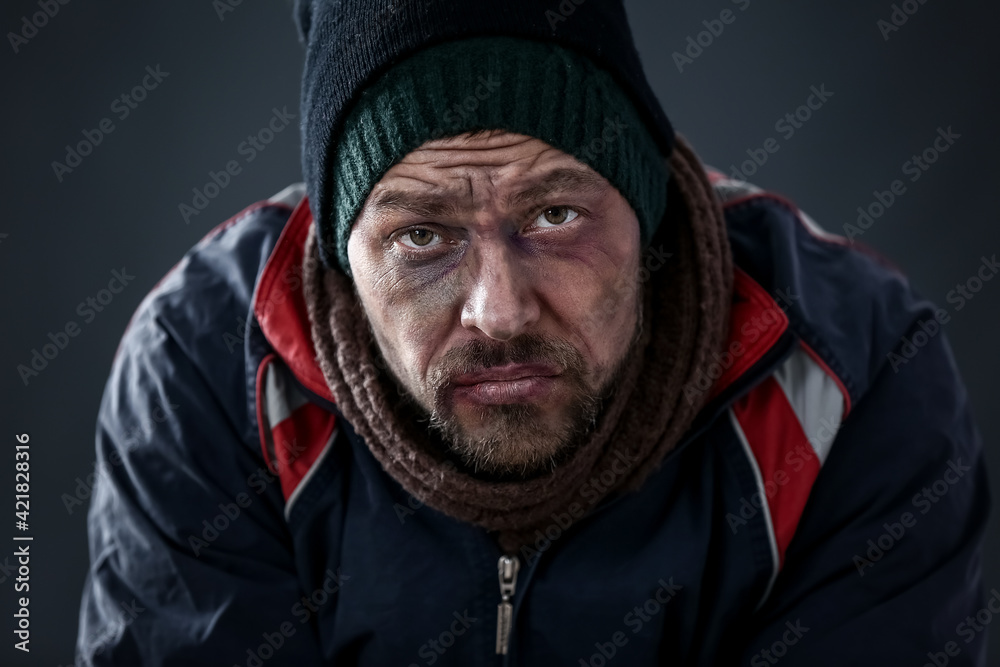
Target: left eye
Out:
[556,215]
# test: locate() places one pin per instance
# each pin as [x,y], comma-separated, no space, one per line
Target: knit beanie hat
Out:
[382,78]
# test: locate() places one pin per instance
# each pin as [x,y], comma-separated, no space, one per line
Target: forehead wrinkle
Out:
[482,187]
[474,184]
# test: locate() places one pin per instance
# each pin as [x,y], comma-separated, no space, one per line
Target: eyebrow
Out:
[444,206]
[424,205]
[560,180]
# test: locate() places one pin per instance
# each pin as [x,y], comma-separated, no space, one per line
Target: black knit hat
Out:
[351,135]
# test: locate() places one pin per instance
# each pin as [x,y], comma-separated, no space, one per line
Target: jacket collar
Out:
[280,307]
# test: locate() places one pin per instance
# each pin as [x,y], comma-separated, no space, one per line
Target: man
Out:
[520,382]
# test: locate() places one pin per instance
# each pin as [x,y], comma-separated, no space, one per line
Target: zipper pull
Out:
[507,568]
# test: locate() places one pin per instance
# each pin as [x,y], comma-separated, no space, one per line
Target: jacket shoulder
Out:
[203,304]
[846,302]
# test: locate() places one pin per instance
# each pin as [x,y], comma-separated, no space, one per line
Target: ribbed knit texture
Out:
[539,90]
[686,306]
[351,43]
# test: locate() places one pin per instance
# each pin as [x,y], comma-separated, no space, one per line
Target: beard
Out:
[516,440]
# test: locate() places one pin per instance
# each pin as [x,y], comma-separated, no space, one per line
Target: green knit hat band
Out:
[533,88]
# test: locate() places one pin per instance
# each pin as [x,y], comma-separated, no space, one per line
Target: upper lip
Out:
[506,372]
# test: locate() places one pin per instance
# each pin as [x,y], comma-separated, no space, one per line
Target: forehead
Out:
[497,161]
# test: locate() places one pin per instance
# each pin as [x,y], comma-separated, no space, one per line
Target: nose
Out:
[501,301]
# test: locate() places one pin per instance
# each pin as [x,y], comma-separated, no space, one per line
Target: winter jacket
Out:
[827,507]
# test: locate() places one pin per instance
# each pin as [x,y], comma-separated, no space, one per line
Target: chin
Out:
[513,440]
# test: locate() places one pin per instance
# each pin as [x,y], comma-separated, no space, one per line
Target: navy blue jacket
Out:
[827,507]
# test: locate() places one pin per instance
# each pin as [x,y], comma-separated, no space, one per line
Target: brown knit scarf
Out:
[686,313]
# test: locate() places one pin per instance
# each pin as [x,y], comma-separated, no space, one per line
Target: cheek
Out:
[596,294]
[602,304]
[409,318]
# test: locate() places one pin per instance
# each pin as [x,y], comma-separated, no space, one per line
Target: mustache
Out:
[478,355]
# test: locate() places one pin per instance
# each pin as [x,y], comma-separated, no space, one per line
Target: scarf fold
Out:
[686,313]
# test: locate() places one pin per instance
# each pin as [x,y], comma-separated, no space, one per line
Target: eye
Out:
[555,216]
[418,238]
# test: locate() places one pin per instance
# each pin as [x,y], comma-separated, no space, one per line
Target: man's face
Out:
[498,275]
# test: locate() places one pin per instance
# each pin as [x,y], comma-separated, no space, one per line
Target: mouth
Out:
[511,383]
[506,373]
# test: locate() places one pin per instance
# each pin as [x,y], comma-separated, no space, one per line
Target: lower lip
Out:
[507,391]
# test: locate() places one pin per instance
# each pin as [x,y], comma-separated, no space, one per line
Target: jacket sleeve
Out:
[191,560]
[884,568]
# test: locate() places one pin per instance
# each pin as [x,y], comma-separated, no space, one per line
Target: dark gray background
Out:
[119,208]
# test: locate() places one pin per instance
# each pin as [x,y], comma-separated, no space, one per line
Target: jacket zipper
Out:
[507,568]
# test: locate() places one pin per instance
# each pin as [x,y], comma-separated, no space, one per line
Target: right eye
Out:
[418,237]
